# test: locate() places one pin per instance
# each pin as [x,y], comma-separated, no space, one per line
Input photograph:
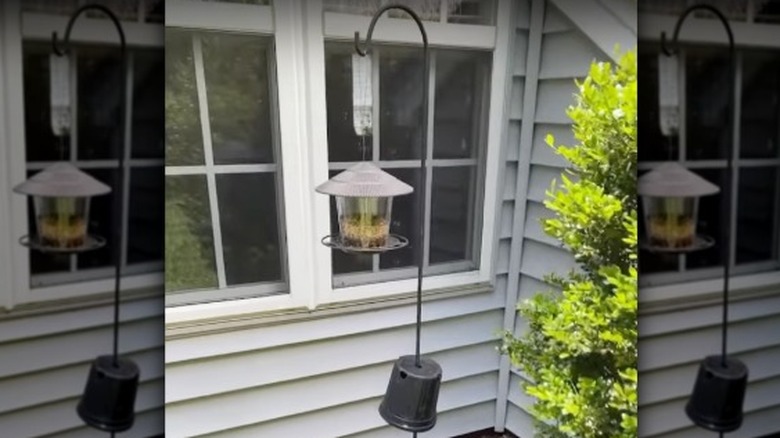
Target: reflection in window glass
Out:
[183,136]
[250,227]
[224,80]
[189,243]
[236,72]
[471,11]
[707,103]
[427,10]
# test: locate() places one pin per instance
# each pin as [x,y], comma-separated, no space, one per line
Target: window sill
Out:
[102,299]
[686,295]
[230,322]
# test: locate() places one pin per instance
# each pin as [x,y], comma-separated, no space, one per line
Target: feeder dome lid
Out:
[673,180]
[62,180]
[364,180]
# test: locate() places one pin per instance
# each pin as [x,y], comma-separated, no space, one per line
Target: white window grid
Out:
[300,28]
[210,170]
[74,274]
[475,196]
[681,273]
[93,28]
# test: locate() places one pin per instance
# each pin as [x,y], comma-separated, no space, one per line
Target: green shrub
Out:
[579,351]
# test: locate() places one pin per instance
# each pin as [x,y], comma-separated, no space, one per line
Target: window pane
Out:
[653,146]
[757,215]
[767,11]
[400,97]
[665,7]
[189,242]
[428,10]
[183,135]
[708,112]
[42,145]
[712,212]
[471,11]
[101,221]
[148,108]
[98,102]
[461,82]
[452,213]
[146,226]
[236,71]
[404,222]
[155,11]
[343,143]
[760,111]
[250,229]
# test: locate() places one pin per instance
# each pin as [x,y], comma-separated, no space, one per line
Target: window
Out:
[223,205]
[92,145]
[260,113]
[702,147]
[455,156]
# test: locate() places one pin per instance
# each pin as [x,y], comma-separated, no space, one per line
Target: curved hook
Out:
[60,51]
[408,10]
[673,51]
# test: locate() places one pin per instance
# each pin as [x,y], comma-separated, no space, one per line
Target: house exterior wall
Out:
[46,349]
[673,342]
[47,357]
[328,374]
[559,53]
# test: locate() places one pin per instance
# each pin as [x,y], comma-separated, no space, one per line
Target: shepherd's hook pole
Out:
[423,153]
[118,214]
[726,236]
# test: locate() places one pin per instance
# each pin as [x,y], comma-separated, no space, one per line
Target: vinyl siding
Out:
[673,343]
[564,54]
[47,362]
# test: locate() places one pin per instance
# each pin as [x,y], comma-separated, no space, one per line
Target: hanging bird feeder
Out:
[670,197]
[364,200]
[61,196]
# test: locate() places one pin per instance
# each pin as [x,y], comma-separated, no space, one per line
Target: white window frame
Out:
[300,29]
[663,287]
[19,27]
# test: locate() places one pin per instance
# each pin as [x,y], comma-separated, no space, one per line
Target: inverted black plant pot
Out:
[108,401]
[410,400]
[716,401]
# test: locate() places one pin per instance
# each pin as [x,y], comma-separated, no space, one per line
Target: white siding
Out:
[46,360]
[558,53]
[292,381]
[672,344]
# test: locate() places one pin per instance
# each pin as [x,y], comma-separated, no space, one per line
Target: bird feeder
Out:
[364,200]
[670,197]
[61,196]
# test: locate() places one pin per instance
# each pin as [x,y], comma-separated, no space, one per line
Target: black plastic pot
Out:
[412,393]
[718,394]
[108,401]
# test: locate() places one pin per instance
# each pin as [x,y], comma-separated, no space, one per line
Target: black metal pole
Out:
[423,153]
[117,226]
[726,236]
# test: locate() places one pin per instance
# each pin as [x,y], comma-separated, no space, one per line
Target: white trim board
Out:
[599,25]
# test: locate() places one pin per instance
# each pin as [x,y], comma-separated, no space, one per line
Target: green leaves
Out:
[580,347]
